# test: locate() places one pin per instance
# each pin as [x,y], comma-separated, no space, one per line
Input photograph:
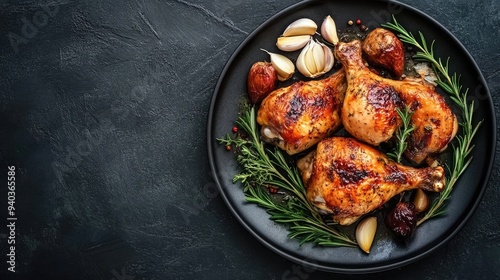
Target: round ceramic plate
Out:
[386,253]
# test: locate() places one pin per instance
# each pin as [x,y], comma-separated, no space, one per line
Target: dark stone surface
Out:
[103,108]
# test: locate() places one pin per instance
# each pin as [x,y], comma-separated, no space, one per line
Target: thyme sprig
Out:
[262,167]
[450,83]
[402,134]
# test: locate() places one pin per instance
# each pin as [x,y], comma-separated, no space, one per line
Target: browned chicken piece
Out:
[384,49]
[298,116]
[348,179]
[369,109]
[434,121]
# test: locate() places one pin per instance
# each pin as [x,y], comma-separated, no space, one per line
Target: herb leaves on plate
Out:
[451,84]
[261,167]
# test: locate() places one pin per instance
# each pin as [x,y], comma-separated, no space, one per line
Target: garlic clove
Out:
[293,43]
[365,233]
[329,58]
[284,66]
[282,79]
[270,133]
[318,57]
[309,59]
[329,30]
[421,201]
[301,61]
[303,26]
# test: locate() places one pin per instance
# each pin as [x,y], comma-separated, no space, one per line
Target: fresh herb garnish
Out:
[261,167]
[402,134]
[451,84]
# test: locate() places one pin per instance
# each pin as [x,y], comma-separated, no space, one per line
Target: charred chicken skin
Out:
[369,107]
[348,179]
[434,121]
[298,116]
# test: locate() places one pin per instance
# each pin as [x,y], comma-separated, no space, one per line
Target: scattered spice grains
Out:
[358,22]
[272,189]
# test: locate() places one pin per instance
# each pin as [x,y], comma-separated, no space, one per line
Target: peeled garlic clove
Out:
[303,26]
[293,43]
[365,233]
[315,59]
[329,30]
[421,201]
[284,66]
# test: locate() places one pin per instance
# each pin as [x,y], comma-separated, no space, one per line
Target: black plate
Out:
[385,253]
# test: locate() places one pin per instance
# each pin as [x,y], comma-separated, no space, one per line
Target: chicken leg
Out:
[434,121]
[347,179]
[298,116]
[369,109]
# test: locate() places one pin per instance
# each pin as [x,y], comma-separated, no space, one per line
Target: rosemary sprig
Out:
[403,132]
[265,167]
[451,84]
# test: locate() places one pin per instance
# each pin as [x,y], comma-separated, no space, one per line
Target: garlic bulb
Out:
[365,233]
[284,66]
[315,59]
[293,43]
[329,30]
[303,26]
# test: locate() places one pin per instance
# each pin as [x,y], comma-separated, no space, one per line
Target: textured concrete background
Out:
[103,111]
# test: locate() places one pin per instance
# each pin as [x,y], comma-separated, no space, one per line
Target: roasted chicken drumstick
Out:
[347,178]
[298,116]
[369,107]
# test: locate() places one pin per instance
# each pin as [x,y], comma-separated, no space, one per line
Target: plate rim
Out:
[211,158]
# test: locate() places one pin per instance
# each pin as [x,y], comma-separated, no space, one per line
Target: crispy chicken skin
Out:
[434,121]
[369,109]
[383,48]
[298,116]
[348,179]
